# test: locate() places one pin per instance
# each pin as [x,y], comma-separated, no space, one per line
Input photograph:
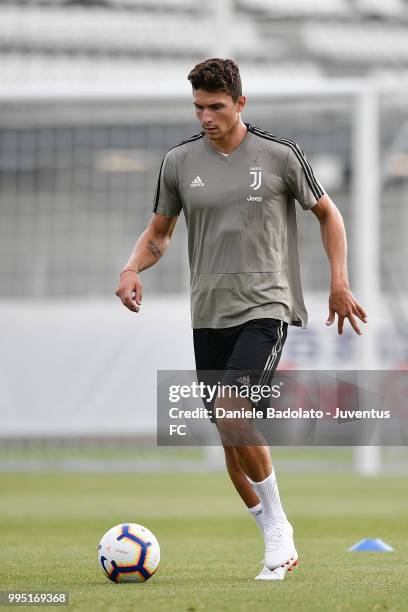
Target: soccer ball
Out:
[129,553]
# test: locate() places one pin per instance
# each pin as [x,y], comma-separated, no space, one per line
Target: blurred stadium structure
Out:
[92,95]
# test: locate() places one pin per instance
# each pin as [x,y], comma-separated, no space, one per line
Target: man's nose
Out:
[207,116]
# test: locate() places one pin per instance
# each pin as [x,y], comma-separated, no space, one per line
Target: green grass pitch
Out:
[51,525]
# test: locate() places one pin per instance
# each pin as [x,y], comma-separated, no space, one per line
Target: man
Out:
[237,186]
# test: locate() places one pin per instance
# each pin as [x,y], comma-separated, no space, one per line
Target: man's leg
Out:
[251,500]
[243,486]
[255,355]
[257,465]
[215,349]
[239,478]
[255,462]
[250,462]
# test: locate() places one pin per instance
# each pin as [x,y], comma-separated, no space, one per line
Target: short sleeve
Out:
[167,200]
[300,180]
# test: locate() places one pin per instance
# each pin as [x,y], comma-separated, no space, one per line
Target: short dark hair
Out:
[217,75]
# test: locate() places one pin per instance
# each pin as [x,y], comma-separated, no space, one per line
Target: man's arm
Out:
[341,300]
[149,248]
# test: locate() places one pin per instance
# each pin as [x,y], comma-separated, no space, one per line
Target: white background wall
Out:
[89,367]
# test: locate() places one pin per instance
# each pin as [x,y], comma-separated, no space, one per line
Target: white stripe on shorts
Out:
[272,357]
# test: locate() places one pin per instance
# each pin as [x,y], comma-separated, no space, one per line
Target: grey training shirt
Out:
[241,220]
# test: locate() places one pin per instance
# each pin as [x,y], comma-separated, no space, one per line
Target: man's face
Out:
[217,112]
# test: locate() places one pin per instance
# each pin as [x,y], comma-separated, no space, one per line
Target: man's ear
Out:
[240,103]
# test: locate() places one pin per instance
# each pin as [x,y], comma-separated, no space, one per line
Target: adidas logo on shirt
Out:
[197,182]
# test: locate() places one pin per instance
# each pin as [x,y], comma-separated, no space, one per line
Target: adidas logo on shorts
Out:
[243,380]
[197,182]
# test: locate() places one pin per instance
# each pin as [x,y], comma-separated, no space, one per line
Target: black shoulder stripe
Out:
[313,184]
[190,139]
[310,177]
[302,156]
[157,194]
[186,141]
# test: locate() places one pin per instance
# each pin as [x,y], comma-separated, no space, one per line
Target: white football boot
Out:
[267,574]
[280,551]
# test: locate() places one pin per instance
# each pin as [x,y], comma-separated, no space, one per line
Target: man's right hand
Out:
[130,290]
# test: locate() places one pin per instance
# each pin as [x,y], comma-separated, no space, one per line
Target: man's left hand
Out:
[343,303]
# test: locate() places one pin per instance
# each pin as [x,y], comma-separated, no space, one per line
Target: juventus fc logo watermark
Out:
[256,172]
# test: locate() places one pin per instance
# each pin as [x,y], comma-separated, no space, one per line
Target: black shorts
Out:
[243,355]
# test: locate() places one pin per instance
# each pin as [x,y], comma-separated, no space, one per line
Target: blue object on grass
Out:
[368,545]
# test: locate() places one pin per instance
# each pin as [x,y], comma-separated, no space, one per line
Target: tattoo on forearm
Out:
[153,248]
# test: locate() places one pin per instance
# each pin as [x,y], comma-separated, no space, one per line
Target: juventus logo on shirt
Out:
[256,172]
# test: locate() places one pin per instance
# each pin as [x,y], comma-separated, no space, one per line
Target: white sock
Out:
[256,513]
[268,493]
